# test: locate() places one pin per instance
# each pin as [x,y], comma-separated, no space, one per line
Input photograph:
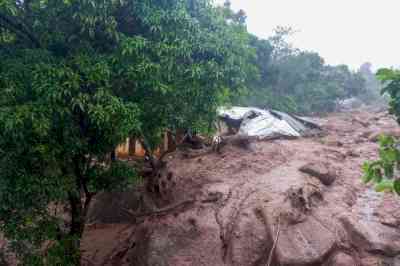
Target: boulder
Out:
[374,136]
[305,243]
[373,237]
[180,240]
[366,134]
[333,142]
[341,259]
[352,153]
[388,211]
[320,171]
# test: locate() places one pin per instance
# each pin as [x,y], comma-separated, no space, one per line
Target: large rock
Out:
[371,236]
[374,136]
[321,171]
[305,243]
[388,211]
[342,259]
[332,141]
[111,207]
[179,240]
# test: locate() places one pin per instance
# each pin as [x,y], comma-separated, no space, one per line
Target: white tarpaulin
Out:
[237,112]
[267,123]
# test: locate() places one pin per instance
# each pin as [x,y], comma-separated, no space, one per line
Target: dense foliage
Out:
[384,171]
[298,81]
[79,76]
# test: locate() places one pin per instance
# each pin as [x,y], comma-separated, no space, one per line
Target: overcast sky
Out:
[342,31]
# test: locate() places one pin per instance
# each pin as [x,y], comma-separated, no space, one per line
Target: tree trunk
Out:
[171,143]
[132,146]
[78,220]
[79,200]
[113,156]
[73,239]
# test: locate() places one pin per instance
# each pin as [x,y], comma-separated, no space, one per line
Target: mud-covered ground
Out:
[293,202]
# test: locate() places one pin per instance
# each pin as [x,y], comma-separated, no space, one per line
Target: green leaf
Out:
[384,185]
[396,186]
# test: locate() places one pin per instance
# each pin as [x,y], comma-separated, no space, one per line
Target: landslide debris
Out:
[308,190]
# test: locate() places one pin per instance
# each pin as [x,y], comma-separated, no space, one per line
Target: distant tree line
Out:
[293,80]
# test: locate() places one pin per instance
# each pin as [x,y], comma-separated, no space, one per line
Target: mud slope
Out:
[230,209]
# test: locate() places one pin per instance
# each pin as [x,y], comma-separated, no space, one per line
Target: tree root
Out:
[262,215]
[164,211]
[232,223]
[271,253]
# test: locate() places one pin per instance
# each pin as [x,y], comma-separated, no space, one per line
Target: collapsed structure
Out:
[266,124]
[245,121]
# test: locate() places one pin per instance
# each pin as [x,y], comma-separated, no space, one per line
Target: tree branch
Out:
[81,180]
[148,152]
[177,145]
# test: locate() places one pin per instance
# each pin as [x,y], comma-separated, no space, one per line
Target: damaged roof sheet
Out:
[268,123]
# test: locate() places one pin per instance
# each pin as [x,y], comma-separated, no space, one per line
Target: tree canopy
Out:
[79,76]
[298,81]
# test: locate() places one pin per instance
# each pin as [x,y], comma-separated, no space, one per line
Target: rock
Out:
[305,243]
[366,134]
[396,261]
[352,153]
[373,237]
[238,140]
[360,121]
[350,197]
[303,199]
[375,118]
[111,207]
[388,212]
[320,171]
[334,154]
[359,140]
[249,238]
[372,261]
[374,137]
[334,143]
[341,259]
[188,242]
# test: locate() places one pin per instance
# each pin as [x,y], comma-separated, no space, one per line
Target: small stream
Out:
[367,201]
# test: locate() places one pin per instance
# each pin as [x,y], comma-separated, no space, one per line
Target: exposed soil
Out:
[293,202]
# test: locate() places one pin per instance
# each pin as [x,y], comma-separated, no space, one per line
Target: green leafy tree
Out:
[298,81]
[384,172]
[77,78]
[279,41]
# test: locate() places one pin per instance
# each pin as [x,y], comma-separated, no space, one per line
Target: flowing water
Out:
[367,202]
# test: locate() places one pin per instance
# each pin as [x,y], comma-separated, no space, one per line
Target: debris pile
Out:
[282,202]
[266,124]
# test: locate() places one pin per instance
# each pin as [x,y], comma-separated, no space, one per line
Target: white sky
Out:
[342,31]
